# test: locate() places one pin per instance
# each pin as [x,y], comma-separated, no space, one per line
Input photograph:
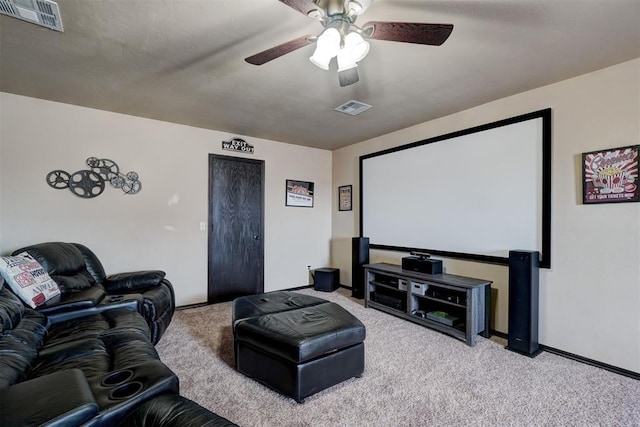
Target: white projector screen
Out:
[474,194]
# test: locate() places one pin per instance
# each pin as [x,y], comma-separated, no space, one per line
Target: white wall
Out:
[159,227]
[590,298]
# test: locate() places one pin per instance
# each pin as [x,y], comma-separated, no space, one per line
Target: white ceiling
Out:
[182,61]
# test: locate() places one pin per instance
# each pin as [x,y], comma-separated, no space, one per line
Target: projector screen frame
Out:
[545,250]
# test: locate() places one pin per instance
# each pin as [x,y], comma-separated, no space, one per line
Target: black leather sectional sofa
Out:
[88,358]
[84,284]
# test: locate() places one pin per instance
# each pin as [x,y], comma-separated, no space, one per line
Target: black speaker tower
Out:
[523,302]
[359,257]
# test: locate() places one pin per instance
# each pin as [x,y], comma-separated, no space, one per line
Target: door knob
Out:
[257,237]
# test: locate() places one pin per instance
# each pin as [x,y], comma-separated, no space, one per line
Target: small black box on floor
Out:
[326,279]
[422,264]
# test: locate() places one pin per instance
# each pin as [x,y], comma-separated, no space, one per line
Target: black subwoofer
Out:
[359,257]
[523,302]
[326,279]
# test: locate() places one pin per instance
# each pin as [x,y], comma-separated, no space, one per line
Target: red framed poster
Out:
[611,176]
[299,193]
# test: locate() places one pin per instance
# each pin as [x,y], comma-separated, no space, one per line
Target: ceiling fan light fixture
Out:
[343,39]
[328,46]
[356,46]
[357,7]
[345,61]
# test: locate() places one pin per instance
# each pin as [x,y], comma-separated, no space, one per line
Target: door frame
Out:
[261,163]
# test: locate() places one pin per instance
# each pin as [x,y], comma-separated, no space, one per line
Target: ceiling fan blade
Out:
[277,51]
[406,32]
[348,77]
[302,6]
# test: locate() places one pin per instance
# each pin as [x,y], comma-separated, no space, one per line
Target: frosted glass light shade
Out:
[357,47]
[345,61]
[328,45]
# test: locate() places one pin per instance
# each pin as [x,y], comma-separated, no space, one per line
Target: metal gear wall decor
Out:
[90,183]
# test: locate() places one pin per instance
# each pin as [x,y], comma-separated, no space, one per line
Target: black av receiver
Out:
[422,262]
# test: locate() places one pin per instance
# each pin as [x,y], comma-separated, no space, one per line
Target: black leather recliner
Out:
[84,285]
[96,369]
[172,410]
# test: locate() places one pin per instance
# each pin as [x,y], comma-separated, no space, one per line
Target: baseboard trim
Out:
[585,360]
[605,366]
[499,334]
[188,306]
[299,288]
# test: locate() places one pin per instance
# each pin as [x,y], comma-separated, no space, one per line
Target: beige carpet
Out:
[413,377]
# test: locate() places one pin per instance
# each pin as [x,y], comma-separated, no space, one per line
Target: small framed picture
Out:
[299,193]
[344,198]
[611,176]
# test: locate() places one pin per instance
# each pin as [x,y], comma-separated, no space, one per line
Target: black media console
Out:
[455,305]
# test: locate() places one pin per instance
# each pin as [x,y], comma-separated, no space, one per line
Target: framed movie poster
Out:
[611,176]
[299,193]
[344,198]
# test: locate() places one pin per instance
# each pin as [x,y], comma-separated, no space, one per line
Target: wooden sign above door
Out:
[237,144]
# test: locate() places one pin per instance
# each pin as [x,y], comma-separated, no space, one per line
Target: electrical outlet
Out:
[203,226]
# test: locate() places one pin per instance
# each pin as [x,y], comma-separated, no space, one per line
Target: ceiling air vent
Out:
[353,107]
[40,12]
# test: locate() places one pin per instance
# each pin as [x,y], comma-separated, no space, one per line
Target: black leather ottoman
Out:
[295,344]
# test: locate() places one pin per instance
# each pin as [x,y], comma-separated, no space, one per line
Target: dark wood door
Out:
[236,249]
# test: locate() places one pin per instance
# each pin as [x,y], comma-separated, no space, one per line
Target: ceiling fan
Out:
[344,40]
